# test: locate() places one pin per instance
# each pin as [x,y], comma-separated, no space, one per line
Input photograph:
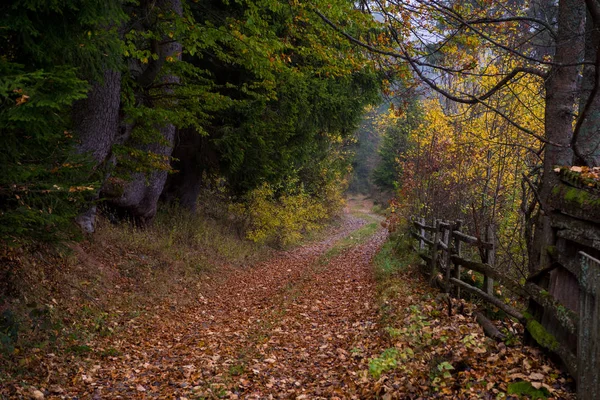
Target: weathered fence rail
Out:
[442,244]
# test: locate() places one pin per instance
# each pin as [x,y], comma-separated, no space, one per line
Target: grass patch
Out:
[191,238]
[353,239]
[391,259]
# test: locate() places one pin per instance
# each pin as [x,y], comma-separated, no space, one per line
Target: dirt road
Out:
[296,326]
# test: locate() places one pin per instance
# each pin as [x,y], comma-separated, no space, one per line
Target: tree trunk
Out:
[96,124]
[96,118]
[587,143]
[561,97]
[140,196]
[562,90]
[195,154]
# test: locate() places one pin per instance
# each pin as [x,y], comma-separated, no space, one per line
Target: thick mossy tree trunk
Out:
[139,197]
[562,92]
[96,124]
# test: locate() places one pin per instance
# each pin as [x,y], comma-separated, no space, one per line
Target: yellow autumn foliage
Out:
[467,162]
[284,219]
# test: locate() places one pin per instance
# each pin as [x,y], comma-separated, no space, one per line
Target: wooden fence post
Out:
[458,250]
[588,338]
[447,241]
[488,283]
[434,251]
[422,233]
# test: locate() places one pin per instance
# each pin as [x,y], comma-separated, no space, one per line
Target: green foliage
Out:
[81,34]
[277,94]
[297,93]
[47,48]
[42,178]
[387,361]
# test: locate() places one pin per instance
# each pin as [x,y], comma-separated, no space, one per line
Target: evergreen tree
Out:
[47,49]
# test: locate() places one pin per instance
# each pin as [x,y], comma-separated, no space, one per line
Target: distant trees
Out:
[451,47]
[396,129]
[124,103]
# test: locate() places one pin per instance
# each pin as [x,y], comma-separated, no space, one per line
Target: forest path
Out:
[295,326]
[309,323]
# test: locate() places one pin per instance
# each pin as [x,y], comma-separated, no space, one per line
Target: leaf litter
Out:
[304,326]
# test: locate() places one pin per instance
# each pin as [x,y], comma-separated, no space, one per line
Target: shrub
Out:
[280,219]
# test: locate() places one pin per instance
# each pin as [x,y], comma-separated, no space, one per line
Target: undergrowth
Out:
[284,217]
[434,348]
[58,299]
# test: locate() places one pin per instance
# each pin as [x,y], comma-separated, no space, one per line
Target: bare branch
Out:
[513,19]
[457,17]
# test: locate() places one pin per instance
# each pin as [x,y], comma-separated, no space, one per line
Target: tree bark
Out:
[140,195]
[562,91]
[194,155]
[96,118]
[587,142]
[96,124]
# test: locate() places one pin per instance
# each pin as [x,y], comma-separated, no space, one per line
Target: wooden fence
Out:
[442,245]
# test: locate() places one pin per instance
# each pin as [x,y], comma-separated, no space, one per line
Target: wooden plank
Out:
[582,228]
[491,272]
[423,226]
[576,237]
[588,340]
[472,240]
[421,238]
[443,245]
[567,318]
[569,263]
[488,327]
[422,233]
[446,225]
[577,202]
[490,299]
[488,281]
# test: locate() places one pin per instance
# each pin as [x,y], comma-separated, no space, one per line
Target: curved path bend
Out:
[296,326]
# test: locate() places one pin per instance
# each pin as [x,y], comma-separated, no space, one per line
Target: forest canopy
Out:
[121,104]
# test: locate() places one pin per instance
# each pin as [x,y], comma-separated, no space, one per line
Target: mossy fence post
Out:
[422,233]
